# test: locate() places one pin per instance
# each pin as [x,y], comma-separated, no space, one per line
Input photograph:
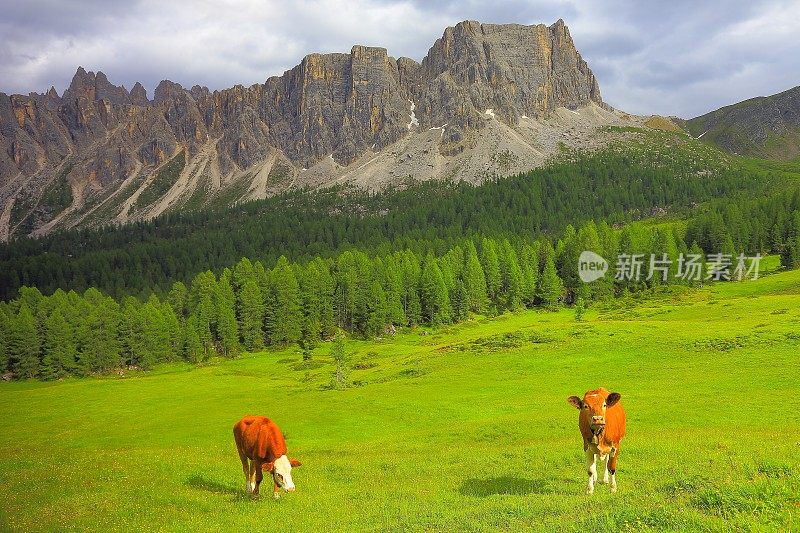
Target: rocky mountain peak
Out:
[53,94]
[333,114]
[165,90]
[93,87]
[139,95]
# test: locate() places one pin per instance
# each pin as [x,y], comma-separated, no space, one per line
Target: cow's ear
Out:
[269,467]
[612,399]
[295,463]
[575,402]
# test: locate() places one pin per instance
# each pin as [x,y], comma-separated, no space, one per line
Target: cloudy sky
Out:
[682,57]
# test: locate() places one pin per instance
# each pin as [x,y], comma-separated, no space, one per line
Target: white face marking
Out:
[283,473]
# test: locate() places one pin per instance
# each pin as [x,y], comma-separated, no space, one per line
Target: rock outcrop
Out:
[103,146]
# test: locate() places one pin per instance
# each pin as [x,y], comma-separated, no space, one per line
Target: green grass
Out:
[464,428]
[162,182]
[57,196]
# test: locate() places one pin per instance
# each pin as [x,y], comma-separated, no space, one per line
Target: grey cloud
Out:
[679,58]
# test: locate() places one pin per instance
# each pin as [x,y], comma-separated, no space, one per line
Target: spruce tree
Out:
[393,289]
[491,269]
[227,330]
[24,344]
[434,300]
[411,295]
[178,300]
[285,320]
[550,285]
[251,316]
[459,302]
[59,347]
[5,335]
[474,280]
[194,351]
[529,264]
[510,276]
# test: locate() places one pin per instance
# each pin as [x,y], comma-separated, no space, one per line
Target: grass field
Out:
[465,428]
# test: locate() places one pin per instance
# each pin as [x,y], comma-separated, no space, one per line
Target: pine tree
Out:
[5,335]
[794,242]
[340,378]
[589,239]
[376,310]
[174,332]
[393,289]
[324,288]
[550,286]
[346,276]
[159,337]
[136,335]
[510,276]
[102,349]
[228,331]
[567,259]
[474,280]
[411,278]
[178,299]
[434,300]
[459,302]
[251,316]
[59,348]
[529,263]
[24,344]
[491,269]
[284,320]
[194,351]
[695,250]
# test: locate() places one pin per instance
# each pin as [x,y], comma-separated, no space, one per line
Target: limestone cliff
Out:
[97,153]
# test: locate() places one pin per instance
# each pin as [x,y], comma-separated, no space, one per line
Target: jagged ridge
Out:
[336,113]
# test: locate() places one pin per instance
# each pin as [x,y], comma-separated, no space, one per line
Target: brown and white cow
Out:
[602,425]
[261,443]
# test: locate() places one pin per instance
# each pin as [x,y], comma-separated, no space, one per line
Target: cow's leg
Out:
[245,468]
[258,476]
[612,467]
[252,479]
[591,469]
[605,458]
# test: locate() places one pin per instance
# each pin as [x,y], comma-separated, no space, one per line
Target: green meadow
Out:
[462,428]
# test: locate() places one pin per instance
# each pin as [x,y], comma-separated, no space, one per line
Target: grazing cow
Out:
[260,441]
[602,424]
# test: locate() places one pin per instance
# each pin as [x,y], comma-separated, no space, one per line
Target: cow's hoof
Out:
[604,480]
[613,489]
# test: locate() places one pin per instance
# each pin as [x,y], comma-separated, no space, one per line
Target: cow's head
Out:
[595,406]
[281,470]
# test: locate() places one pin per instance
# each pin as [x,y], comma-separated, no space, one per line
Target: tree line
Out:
[147,257]
[250,306]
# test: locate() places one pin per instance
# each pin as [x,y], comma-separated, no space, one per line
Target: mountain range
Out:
[487,100]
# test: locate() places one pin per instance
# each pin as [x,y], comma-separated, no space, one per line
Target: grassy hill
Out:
[462,428]
[767,126]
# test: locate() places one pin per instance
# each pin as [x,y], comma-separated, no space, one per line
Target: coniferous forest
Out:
[91,301]
[147,257]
